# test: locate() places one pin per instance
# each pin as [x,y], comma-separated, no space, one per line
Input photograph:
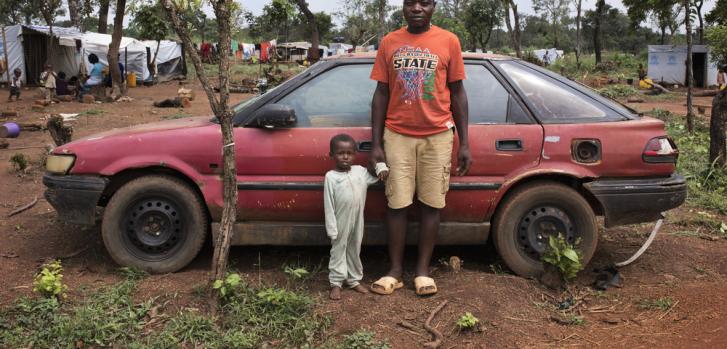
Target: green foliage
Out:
[19,161]
[49,281]
[718,15]
[663,303]
[467,321]
[617,91]
[363,339]
[94,111]
[563,256]
[150,22]
[717,37]
[231,281]
[707,183]
[298,273]
[480,18]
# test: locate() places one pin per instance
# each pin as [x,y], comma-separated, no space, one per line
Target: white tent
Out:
[71,49]
[667,63]
[552,53]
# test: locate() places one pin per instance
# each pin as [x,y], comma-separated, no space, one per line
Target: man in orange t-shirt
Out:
[418,102]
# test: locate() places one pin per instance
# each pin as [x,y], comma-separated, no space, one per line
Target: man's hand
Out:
[464,160]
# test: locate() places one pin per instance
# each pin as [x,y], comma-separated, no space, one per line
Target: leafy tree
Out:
[556,11]
[17,11]
[718,15]
[150,23]
[480,18]
[717,37]
[313,54]
[662,11]
[49,10]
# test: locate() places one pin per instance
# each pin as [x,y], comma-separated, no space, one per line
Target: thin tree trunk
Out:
[313,54]
[221,109]
[103,16]
[73,7]
[663,35]
[690,76]
[717,129]
[578,32]
[516,19]
[699,5]
[600,5]
[381,4]
[152,65]
[113,55]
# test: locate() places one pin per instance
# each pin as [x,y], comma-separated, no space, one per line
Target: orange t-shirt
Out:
[417,68]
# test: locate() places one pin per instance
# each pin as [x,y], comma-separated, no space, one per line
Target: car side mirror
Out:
[274,116]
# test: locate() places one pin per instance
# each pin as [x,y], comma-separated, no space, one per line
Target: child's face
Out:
[343,154]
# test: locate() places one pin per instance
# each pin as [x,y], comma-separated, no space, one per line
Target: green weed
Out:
[296,273]
[618,91]
[563,256]
[467,321]
[663,304]
[49,281]
[180,114]
[19,161]
[363,339]
[91,112]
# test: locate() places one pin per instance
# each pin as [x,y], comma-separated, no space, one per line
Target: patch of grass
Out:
[19,161]
[707,183]
[663,303]
[576,320]
[363,339]
[618,91]
[94,111]
[180,114]
[110,317]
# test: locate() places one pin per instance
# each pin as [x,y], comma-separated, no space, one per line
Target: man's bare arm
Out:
[379,104]
[460,113]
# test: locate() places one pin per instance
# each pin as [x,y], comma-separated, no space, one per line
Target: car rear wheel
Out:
[155,223]
[534,212]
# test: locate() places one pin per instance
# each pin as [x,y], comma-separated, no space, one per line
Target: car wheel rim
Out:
[154,228]
[538,224]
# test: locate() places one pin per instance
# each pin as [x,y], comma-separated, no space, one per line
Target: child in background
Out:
[344,198]
[15,85]
[62,85]
[720,79]
[48,82]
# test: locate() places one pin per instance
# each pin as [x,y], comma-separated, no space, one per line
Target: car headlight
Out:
[59,164]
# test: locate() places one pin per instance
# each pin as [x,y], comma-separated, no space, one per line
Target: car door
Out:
[504,138]
[280,171]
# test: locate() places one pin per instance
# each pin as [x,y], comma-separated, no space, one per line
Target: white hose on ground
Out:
[646,244]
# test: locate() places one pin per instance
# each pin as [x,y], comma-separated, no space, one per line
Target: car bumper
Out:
[629,201]
[74,197]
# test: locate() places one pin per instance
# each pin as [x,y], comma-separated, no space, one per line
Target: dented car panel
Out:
[281,169]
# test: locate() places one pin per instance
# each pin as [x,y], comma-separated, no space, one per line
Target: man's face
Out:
[418,13]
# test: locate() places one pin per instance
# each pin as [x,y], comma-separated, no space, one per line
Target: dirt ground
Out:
[685,265]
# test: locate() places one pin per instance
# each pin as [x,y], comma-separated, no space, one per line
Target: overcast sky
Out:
[525,6]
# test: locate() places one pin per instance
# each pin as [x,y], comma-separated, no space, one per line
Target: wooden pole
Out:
[7,63]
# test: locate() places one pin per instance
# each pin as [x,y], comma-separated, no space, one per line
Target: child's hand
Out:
[383,175]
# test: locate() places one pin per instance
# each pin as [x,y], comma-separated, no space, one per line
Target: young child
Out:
[48,82]
[344,197]
[15,85]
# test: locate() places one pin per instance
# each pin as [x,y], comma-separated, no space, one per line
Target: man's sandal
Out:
[425,286]
[386,285]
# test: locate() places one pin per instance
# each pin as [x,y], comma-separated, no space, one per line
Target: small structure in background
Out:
[548,56]
[667,64]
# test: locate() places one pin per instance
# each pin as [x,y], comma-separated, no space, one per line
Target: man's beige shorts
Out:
[418,164]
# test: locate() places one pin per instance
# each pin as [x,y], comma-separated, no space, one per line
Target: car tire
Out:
[155,223]
[534,211]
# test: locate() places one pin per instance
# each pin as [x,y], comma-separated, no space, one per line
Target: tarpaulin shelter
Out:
[668,64]
[27,50]
[293,51]
[551,53]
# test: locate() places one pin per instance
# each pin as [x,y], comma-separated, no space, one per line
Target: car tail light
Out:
[660,150]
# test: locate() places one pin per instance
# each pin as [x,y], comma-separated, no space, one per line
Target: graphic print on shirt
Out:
[415,68]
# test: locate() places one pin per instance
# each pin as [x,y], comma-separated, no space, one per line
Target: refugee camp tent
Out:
[667,64]
[169,60]
[338,48]
[552,55]
[27,50]
[293,51]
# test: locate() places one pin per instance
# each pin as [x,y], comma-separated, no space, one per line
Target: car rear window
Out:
[487,99]
[553,101]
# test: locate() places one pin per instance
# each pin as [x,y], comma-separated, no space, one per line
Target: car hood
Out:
[165,125]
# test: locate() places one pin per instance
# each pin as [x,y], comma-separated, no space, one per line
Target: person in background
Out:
[721,79]
[15,85]
[48,82]
[62,85]
[95,76]
[108,82]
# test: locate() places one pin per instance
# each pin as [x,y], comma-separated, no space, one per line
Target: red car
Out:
[549,156]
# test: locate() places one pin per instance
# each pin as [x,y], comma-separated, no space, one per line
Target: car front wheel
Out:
[155,223]
[534,212]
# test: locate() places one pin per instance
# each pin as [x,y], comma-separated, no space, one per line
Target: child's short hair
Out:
[61,75]
[92,58]
[17,71]
[344,138]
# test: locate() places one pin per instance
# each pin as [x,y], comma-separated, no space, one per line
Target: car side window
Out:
[340,97]
[487,98]
[551,100]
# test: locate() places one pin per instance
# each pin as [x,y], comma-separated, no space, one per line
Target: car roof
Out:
[465,55]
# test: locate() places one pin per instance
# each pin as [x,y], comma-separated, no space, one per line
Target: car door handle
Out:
[364,146]
[509,145]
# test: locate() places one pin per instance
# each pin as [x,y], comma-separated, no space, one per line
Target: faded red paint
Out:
[300,155]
